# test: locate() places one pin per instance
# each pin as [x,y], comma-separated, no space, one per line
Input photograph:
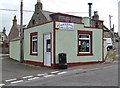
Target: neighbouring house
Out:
[3,36]
[107,32]
[15,30]
[110,34]
[40,15]
[3,42]
[49,34]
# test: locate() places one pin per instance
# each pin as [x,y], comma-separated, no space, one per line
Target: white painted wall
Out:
[15,49]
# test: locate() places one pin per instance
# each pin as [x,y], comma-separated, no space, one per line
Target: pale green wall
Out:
[45,28]
[15,50]
[66,42]
[86,21]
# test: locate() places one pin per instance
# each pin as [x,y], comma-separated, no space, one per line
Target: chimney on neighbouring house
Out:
[4,30]
[15,21]
[95,16]
[38,6]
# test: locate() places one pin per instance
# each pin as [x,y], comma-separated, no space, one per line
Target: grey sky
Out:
[75,7]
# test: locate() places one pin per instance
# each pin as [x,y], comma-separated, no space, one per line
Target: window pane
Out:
[84,46]
[34,38]
[75,19]
[84,36]
[55,17]
[68,19]
[62,18]
[34,46]
[48,47]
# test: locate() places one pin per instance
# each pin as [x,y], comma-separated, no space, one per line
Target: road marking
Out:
[16,81]
[62,73]
[55,72]
[11,80]
[33,78]
[115,61]
[41,74]
[93,69]
[108,67]
[2,85]
[27,76]
[48,75]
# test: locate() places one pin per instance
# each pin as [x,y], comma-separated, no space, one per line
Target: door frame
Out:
[48,33]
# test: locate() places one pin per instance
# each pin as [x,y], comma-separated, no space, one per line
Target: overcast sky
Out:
[75,7]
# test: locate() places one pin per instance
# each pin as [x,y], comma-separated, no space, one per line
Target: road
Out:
[105,76]
[99,74]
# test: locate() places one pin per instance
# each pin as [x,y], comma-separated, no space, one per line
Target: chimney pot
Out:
[14,21]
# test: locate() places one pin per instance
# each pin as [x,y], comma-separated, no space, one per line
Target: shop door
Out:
[47,50]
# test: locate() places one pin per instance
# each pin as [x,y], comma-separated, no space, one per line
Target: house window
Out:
[2,38]
[34,43]
[68,19]
[84,42]
[33,22]
[62,18]
[75,20]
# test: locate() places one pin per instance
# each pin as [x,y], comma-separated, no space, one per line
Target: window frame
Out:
[81,32]
[33,34]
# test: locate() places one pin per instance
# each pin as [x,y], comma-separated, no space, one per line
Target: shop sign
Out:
[66,26]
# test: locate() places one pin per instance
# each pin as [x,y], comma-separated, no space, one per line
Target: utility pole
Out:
[111,29]
[21,33]
[113,34]
[110,21]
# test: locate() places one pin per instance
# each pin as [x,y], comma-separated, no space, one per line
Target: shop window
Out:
[84,42]
[34,43]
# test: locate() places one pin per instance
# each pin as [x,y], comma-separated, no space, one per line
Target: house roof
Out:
[47,14]
[18,27]
[106,29]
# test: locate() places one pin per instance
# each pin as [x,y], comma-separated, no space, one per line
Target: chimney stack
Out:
[90,10]
[38,6]
[15,21]
[4,30]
